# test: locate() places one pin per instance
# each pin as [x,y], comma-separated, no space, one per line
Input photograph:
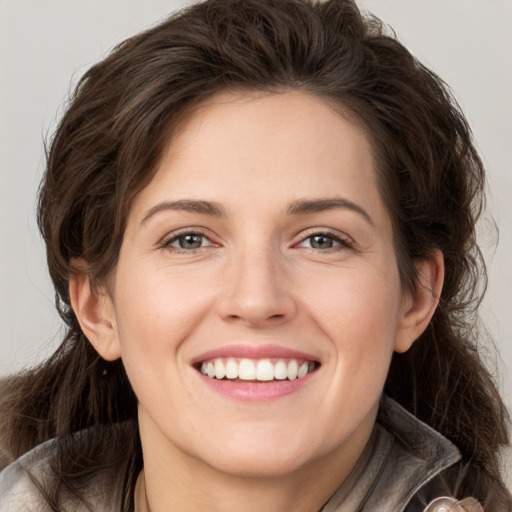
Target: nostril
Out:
[252,316]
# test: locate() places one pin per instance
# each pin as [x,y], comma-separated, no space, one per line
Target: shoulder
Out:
[40,481]
[432,474]
[19,482]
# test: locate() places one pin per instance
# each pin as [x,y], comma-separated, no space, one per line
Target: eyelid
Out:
[343,239]
[165,242]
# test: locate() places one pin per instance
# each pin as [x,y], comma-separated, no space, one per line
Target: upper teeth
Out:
[262,369]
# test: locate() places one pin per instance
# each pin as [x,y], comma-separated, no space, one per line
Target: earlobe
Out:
[420,305]
[95,313]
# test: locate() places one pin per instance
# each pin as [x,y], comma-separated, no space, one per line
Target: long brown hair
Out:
[105,151]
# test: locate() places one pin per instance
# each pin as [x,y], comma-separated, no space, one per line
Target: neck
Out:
[278,472]
[235,494]
[184,484]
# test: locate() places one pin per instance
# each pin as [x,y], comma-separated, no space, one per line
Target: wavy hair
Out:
[106,149]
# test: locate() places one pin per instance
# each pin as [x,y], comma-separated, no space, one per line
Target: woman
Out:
[260,223]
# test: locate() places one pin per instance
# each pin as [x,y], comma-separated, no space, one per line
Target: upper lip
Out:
[254,352]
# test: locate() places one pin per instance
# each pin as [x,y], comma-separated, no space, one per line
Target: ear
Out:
[94,310]
[419,306]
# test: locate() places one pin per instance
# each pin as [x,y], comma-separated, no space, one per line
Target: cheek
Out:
[155,315]
[358,313]
[355,308]
[155,312]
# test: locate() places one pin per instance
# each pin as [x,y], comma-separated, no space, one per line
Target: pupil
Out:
[321,242]
[190,241]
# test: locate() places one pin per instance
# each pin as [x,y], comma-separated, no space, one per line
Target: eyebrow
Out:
[187,205]
[298,207]
[305,207]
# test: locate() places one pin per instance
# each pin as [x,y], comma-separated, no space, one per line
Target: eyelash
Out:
[167,242]
[343,241]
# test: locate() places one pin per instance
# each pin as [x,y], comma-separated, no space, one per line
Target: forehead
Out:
[263,115]
[265,148]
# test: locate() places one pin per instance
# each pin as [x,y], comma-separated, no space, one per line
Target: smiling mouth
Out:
[256,370]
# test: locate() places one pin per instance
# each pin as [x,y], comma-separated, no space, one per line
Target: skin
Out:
[255,280]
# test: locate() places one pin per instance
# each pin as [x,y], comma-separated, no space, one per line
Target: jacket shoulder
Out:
[471,488]
[437,469]
[19,491]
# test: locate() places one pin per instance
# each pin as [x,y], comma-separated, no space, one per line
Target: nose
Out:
[256,290]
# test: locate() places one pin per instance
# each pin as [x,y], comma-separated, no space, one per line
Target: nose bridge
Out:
[256,290]
[257,272]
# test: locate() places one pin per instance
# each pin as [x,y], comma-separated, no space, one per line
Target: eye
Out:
[188,241]
[324,241]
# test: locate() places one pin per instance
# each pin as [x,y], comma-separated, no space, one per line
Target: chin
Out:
[263,455]
[260,466]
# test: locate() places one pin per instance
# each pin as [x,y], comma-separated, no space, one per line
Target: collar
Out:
[402,456]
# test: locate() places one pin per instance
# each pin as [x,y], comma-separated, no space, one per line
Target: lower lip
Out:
[256,391]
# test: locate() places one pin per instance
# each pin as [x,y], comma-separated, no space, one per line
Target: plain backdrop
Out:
[45,46]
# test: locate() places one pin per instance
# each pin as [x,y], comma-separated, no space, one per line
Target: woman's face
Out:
[261,250]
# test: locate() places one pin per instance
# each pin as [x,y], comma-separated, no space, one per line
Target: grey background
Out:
[45,46]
